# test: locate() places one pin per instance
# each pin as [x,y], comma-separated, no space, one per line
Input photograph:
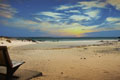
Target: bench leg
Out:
[10,72]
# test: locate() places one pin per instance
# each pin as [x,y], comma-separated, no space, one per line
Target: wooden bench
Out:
[11,66]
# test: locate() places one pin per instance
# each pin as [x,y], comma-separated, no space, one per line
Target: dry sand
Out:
[69,60]
[14,42]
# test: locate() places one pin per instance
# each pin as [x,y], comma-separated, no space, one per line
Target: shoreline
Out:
[12,42]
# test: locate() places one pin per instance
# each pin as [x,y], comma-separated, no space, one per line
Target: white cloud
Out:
[38,19]
[83,5]
[67,7]
[79,17]
[73,11]
[90,4]
[93,13]
[63,7]
[115,3]
[51,14]
[7,11]
[112,19]
[48,19]
[118,24]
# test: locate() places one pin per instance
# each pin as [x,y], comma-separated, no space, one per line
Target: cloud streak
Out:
[83,5]
[64,7]
[112,19]
[91,4]
[93,13]
[79,18]
[115,3]
[73,11]
[7,11]
[51,14]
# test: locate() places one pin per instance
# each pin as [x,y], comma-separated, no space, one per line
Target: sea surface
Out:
[66,38]
[62,42]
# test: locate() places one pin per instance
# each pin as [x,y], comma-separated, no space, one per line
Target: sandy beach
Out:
[67,60]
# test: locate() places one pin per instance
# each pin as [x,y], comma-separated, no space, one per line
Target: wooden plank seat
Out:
[10,65]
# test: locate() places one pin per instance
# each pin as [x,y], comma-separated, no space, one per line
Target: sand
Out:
[74,60]
[14,42]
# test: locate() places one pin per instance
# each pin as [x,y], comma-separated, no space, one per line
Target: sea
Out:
[66,38]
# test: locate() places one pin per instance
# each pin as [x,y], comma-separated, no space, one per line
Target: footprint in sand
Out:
[106,72]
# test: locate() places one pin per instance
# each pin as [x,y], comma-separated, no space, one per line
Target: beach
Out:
[66,60]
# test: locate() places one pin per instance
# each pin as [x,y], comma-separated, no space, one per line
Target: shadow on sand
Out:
[22,74]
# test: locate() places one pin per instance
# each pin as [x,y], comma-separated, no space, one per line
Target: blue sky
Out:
[60,18]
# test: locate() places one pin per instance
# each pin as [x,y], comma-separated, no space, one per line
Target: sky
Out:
[60,18]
